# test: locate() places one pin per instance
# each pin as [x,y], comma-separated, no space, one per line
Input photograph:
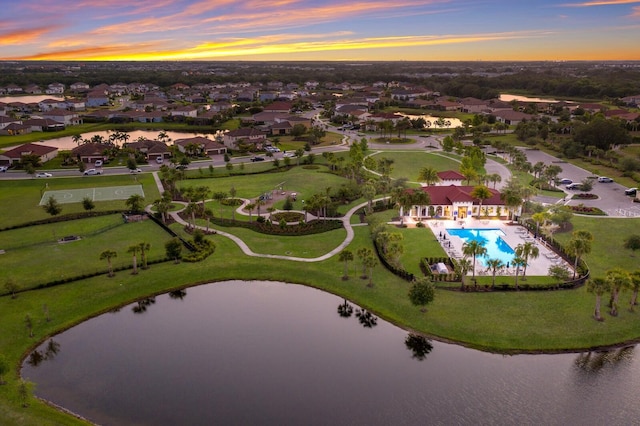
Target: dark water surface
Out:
[269,353]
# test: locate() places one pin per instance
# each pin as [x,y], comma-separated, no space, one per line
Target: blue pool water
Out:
[491,239]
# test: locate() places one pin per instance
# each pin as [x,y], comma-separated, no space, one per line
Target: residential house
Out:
[97,98]
[151,149]
[68,118]
[90,152]
[5,120]
[511,117]
[51,104]
[13,156]
[43,125]
[245,134]
[33,89]
[473,105]
[205,146]
[15,129]
[184,111]
[279,106]
[79,87]
[55,89]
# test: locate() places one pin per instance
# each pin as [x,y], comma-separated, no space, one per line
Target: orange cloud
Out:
[601,3]
[23,36]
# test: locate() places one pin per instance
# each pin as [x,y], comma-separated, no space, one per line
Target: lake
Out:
[239,353]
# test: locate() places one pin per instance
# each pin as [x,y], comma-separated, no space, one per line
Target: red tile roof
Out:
[447,195]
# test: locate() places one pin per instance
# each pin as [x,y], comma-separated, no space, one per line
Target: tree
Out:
[494,265]
[88,204]
[108,255]
[219,196]
[560,273]
[144,248]
[134,203]
[634,285]
[370,262]
[598,286]
[462,269]
[418,345]
[580,244]
[345,256]
[474,248]
[481,193]
[494,178]
[525,251]
[368,192]
[632,242]
[134,249]
[618,280]
[11,287]
[345,310]
[173,248]
[518,262]
[52,207]
[362,254]
[250,207]
[28,322]
[428,175]
[422,292]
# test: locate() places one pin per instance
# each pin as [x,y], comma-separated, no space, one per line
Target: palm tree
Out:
[481,193]
[518,262]
[598,286]
[494,178]
[345,256]
[526,251]
[494,265]
[219,196]
[474,248]
[134,202]
[250,207]
[134,251]
[579,245]
[618,280]
[370,262]
[462,269]
[635,287]
[108,255]
[144,248]
[428,175]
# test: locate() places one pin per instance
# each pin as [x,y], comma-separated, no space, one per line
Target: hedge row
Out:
[269,228]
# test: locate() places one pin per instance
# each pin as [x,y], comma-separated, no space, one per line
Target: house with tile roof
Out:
[456,202]
[90,152]
[13,156]
[206,146]
[151,149]
[244,134]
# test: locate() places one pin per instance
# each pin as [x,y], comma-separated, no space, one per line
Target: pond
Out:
[435,122]
[273,353]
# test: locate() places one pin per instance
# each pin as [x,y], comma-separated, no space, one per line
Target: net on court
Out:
[107,193]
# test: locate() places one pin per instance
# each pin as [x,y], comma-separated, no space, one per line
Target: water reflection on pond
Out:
[273,353]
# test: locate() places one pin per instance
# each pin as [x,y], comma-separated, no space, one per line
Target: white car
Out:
[92,172]
[43,175]
[136,170]
[3,168]
[98,163]
[288,155]
[605,179]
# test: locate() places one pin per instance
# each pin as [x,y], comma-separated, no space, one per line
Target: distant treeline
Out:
[595,80]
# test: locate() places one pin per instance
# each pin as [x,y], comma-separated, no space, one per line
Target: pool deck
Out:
[514,235]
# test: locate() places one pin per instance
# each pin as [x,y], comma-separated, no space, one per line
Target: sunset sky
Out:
[345,30]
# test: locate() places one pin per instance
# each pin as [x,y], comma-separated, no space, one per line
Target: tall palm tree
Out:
[579,245]
[618,280]
[134,251]
[525,251]
[462,268]
[481,193]
[598,286]
[518,262]
[108,255]
[144,248]
[473,248]
[494,265]
[345,256]
[250,207]
[635,287]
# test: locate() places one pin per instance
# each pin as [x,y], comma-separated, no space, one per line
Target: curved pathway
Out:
[346,220]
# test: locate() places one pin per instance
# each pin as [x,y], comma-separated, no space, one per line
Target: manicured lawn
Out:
[33,255]
[19,198]
[408,163]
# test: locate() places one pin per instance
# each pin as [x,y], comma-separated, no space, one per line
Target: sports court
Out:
[106,193]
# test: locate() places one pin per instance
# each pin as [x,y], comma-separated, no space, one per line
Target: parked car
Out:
[43,175]
[3,169]
[565,181]
[574,186]
[605,179]
[631,191]
[254,159]
[91,172]
[98,163]
[159,160]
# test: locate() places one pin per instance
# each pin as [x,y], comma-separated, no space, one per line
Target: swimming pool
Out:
[490,238]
